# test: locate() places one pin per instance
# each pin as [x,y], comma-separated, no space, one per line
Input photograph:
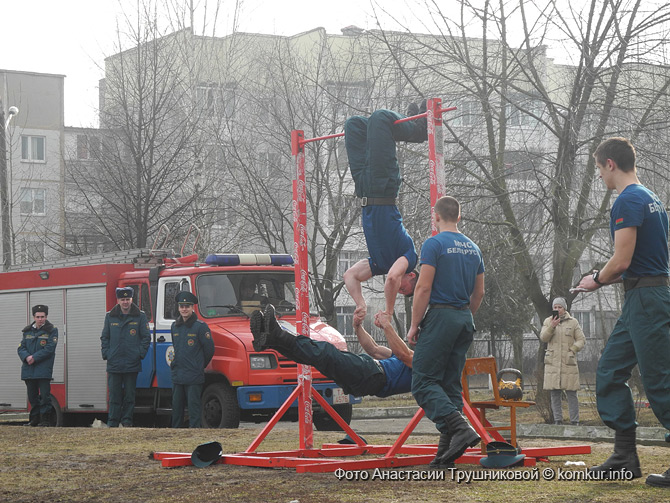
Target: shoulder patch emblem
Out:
[208,335]
[55,339]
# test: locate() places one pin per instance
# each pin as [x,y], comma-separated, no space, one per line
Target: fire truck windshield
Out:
[242,293]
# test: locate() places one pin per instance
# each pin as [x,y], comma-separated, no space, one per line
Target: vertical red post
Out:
[302,286]
[435,155]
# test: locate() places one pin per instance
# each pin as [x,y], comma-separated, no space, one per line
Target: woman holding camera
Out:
[564,338]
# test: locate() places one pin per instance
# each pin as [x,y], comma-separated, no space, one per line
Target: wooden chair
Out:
[487,365]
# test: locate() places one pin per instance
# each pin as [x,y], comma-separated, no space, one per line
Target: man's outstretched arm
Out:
[392,284]
[369,345]
[397,345]
[353,278]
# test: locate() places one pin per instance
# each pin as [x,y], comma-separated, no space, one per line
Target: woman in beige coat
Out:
[564,338]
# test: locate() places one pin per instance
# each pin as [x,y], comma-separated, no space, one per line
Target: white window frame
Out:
[32,192]
[28,143]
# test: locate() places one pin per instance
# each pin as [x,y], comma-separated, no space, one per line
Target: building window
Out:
[32,201]
[31,251]
[469,113]
[348,259]
[82,146]
[345,320]
[347,97]
[584,319]
[87,146]
[216,100]
[524,114]
[170,310]
[33,148]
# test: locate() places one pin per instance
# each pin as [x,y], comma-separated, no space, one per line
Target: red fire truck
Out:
[241,384]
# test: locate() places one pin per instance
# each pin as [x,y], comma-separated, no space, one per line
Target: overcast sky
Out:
[72,37]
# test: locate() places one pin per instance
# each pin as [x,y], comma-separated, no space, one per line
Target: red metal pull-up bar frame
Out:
[433,117]
[308,459]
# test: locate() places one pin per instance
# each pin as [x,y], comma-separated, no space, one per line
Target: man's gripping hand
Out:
[359,314]
[413,335]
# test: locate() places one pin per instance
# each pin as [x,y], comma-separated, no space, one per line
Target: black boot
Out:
[412,109]
[659,480]
[624,457]
[267,332]
[442,447]
[257,327]
[462,436]
[276,335]
[420,133]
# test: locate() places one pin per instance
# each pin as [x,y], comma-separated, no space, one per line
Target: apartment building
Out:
[35,167]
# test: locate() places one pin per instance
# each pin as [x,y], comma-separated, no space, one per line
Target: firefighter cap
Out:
[125,292]
[206,454]
[186,298]
[41,308]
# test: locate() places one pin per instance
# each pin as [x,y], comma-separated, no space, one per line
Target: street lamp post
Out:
[4,185]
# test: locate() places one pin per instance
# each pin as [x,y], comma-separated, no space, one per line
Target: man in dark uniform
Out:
[193,350]
[449,291]
[37,351]
[381,372]
[639,227]
[371,149]
[125,341]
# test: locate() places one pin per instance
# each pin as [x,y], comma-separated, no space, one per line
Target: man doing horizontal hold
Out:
[381,372]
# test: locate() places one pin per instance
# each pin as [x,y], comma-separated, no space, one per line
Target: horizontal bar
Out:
[404,119]
[319,138]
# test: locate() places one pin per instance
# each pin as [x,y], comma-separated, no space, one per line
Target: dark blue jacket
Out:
[125,339]
[41,343]
[193,350]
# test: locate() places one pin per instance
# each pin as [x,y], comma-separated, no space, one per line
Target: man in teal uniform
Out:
[193,350]
[37,351]
[381,372]
[449,291]
[641,336]
[371,149]
[125,341]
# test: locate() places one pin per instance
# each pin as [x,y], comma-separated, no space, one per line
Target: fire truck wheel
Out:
[324,422]
[219,406]
[56,416]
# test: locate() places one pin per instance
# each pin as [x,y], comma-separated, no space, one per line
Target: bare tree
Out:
[147,172]
[519,148]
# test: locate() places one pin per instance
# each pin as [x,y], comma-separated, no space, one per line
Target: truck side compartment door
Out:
[13,317]
[86,370]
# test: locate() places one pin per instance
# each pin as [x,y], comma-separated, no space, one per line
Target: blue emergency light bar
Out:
[233,259]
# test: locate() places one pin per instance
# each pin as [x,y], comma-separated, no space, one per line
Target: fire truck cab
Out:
[241,384]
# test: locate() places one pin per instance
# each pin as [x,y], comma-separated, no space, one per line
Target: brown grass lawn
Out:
[110,465]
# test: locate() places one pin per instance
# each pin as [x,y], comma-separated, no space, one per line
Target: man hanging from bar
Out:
[371,148]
